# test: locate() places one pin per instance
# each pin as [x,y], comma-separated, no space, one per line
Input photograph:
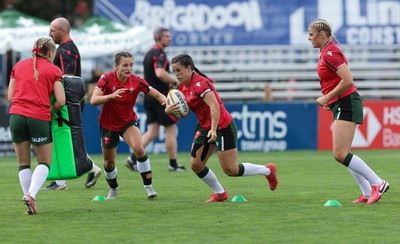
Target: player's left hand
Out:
[171,108]
[322,101]
[212,134]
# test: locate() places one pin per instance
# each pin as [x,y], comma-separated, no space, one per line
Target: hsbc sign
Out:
[366,133]
[391,121]
[380,128]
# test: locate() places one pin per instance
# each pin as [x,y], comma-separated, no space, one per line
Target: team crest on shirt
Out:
[114,88]
[329,53]
[131,89]
[198,84]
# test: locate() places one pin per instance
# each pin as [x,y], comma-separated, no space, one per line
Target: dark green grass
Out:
[294,213]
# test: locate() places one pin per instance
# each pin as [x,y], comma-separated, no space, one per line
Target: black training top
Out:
[156,58]
[68,58]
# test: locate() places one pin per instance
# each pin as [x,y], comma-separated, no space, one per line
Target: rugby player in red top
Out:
[118,91]
[341,97]
[32,81]
[156,73]
[215,129]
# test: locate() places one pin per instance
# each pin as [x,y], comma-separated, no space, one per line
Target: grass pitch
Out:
[294,213]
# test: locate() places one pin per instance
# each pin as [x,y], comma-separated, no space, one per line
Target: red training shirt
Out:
[331,59]
[194,94]
[31,98]
[117,113]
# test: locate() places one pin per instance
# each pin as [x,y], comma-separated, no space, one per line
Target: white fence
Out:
[289,72]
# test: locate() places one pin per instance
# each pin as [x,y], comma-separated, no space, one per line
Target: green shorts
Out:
[38,132]
[348,108]
[226,138]
[110,139]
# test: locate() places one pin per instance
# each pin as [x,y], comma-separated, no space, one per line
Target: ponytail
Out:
[323,25]
[186,61]
[41,48]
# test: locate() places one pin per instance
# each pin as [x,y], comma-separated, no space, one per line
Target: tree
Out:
[77,11]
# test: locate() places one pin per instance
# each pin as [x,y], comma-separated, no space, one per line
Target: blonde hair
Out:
[41,48]
[323,25]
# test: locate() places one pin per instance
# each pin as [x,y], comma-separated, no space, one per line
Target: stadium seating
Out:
[289,72]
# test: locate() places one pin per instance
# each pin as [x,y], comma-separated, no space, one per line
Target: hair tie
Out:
[37,50]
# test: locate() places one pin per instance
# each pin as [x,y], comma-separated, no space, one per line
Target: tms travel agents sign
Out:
[261,127]
[275,126]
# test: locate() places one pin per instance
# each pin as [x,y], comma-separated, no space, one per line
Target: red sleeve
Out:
[58,73]
[334,59]
[144,85]
[102,83]
[202,87]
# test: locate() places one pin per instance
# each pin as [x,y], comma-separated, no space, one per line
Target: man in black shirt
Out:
[156,73]
[68,60]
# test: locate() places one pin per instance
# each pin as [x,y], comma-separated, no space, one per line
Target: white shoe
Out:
[178,168]
[151,194]
[30,202]
[112,193]
[93,176]
[53,186]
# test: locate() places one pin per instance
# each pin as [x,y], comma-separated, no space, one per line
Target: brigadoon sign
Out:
[260,22]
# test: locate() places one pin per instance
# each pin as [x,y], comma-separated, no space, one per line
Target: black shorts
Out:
[110,139]
[37,131]
[348,108]
[226,138]
[155,113]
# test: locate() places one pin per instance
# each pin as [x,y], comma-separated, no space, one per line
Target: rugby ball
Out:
[176,97]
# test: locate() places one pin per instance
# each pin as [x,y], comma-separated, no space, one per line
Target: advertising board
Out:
[380,128]
[260,22]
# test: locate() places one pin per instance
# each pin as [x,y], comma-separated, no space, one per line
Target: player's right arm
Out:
[210,99]
[158,96]
[98,96]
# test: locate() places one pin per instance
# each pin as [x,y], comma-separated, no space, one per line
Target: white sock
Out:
[60,182]
[144,166]
[255,169]
[211,180]
[359,166]
[111,175]
[38,178]
[362,183]
[25,177]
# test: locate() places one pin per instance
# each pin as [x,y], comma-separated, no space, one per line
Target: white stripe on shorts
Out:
[338,115]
